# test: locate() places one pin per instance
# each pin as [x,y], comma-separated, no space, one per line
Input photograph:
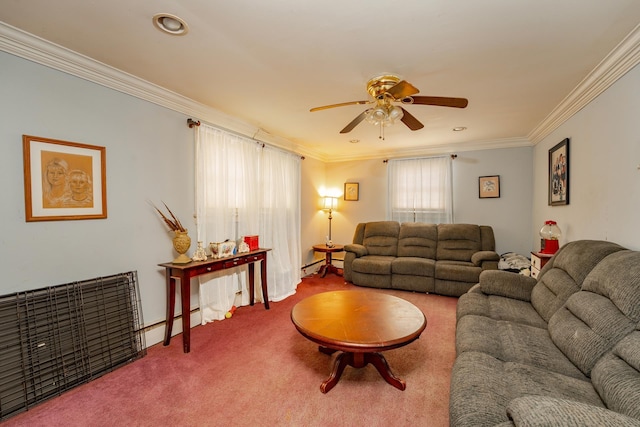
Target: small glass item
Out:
[200,254]
[550,233]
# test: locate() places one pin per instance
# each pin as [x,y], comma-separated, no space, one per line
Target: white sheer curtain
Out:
[420,190]
[244,188]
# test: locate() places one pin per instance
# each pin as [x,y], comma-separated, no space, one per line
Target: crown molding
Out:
[435,150]
[623,58]
[617,63]
[36,49]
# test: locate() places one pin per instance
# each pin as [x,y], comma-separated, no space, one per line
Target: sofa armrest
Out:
[531,411]
[480,257]
[357,249]
[506,284]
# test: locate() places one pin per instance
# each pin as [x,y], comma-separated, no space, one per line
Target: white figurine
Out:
[200,254]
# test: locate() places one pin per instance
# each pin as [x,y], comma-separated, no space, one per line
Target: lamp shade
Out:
[329,203]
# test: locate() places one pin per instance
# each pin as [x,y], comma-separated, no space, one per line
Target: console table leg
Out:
[251,284]
[185,295]
[263,277]
[171,305]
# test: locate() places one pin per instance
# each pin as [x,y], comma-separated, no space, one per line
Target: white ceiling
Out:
[522,64]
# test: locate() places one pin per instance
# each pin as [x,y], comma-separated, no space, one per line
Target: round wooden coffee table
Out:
[358,324]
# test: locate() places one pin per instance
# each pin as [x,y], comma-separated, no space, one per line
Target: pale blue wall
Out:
[604,169]
[149,157]
[510,215]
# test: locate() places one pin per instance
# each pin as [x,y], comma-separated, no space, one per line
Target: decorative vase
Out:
[181,243]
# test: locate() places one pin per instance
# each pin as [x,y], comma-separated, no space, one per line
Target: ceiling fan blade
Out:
[348,128]
[342,104]
[440,101]
[402,89]
[411,122]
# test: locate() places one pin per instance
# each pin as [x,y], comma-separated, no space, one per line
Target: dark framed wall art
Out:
[559,174]
[63,180]
[489,187]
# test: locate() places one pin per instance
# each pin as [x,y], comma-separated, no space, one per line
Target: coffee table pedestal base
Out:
[358,360]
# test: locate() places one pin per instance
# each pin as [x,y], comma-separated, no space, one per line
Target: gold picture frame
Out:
[489,187]
[63,180]
[351,191]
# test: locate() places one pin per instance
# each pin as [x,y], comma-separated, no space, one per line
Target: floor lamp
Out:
[329,204]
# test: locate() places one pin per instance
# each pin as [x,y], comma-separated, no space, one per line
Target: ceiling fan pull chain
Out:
[381,131]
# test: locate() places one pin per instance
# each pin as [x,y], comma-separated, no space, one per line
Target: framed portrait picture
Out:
[489,187]
[351,191]
[559,174]
[63,180]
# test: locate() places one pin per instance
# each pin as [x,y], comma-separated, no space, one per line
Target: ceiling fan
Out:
[386,91]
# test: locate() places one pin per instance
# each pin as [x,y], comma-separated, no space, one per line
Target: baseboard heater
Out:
[56,338]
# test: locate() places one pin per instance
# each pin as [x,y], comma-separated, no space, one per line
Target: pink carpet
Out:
[256,369]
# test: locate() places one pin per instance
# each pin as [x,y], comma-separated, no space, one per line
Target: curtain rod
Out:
[191,123]
[453,157]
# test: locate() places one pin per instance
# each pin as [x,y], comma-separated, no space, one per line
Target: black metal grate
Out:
[56,338]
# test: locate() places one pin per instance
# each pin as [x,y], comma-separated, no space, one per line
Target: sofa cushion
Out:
[487,238]
[457,271]
[616,376]
[513,342]
[498,308]
[413,283]
[564,273]
[482,387]
[381,238]
[458,242]
[413,266]
[595,319]
[418,240]
[543,411]
[501,295]
[373,264]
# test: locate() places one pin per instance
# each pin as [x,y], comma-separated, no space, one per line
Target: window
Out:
[247,188]
[420,190]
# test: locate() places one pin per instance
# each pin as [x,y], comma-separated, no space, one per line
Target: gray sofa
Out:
[446,259]
[562,350]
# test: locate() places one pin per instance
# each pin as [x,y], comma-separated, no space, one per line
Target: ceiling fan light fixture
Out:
[384,115]
[395,113]
[377,115]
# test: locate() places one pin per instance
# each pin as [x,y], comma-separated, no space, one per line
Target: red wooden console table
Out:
[184,273]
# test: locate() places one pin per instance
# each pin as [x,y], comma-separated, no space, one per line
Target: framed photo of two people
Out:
[63,180]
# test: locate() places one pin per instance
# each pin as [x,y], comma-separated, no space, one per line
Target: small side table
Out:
[328,267]
[538,260]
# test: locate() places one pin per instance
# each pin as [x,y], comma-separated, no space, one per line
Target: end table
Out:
[328,267]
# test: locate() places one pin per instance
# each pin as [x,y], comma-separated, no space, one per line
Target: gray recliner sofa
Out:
[445,259]
[560,350]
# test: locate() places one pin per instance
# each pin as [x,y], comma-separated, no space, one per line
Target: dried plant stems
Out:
[173,223]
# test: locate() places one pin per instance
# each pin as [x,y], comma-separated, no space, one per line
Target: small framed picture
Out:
[559,174]
[63,180]
[489,187]
[351,191]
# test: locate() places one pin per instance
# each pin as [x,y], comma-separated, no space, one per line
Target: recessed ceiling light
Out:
[170,24]
[354,141]
[459,128]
